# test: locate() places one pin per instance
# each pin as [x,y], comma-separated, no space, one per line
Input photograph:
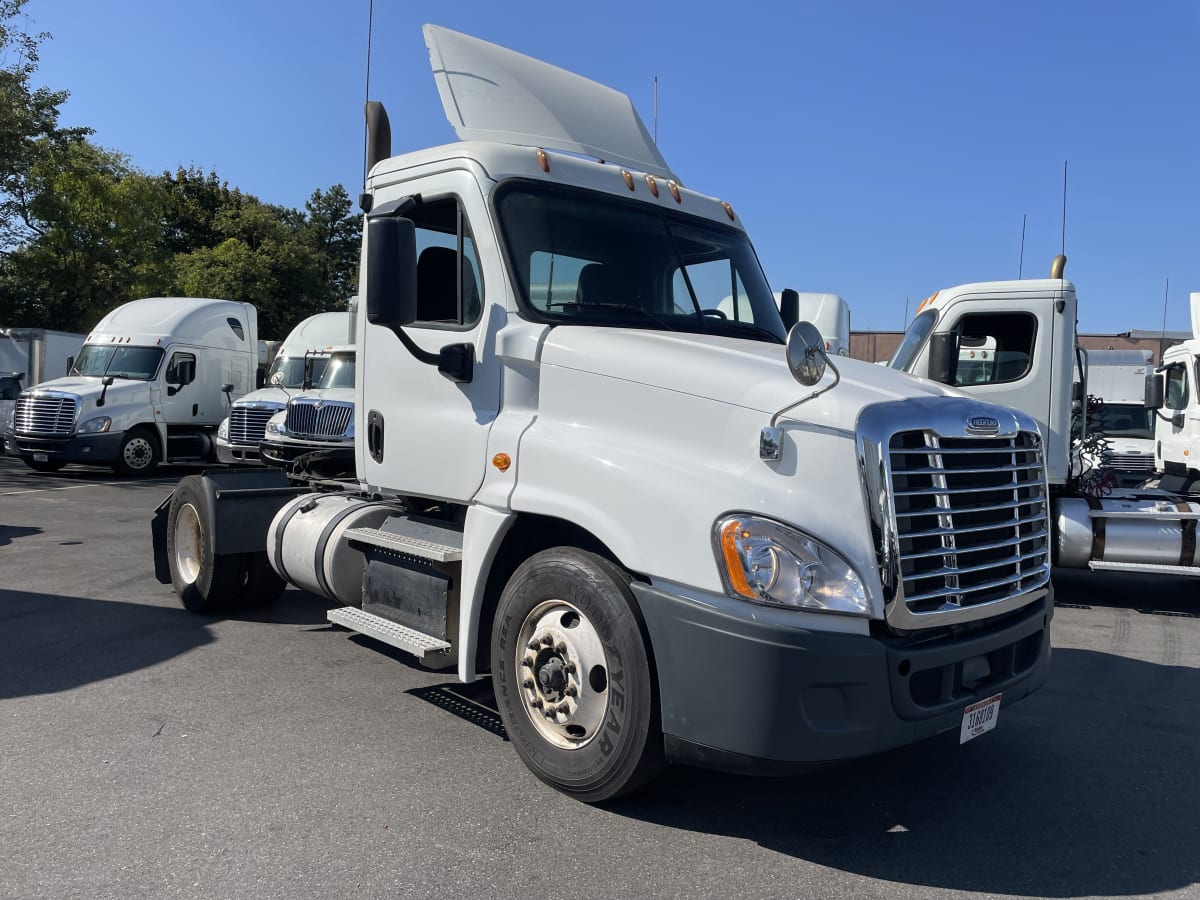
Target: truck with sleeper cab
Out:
[667,535]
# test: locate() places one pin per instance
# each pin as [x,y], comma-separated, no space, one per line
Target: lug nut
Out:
[527,662]
[560,647]
[548,640]
[535,645]
[527,683]
[536,702]
[570,668]
[572,691]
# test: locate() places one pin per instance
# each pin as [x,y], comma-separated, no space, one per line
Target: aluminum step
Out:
[423,646]
[403,543]
[1100,566]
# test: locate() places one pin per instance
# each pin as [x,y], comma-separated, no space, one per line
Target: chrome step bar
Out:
[424,647]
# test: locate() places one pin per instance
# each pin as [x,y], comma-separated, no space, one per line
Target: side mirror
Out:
[1177,420]
[391,272]
[1156,391]
[789,307]
[227,388]
[260,379]
[806,353]
[70,362]
[307,384]
[943,357]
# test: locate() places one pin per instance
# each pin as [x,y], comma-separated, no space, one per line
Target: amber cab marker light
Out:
[675,191]
[628,176]
[543,160]
[502,461]
[653,185]
[728,210]
[733,563]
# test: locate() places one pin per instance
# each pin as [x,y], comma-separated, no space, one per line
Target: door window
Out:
[449,287]
[1177,387]
[994,348]
[181,369]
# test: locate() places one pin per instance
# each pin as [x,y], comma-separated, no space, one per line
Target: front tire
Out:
[573,677]
[204,582]
[139,453]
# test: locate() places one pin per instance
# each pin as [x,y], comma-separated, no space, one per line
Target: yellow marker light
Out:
[730,535]
[728,210]
[628,176]
[675,191]
[543,160]
[502,461]
[653,185]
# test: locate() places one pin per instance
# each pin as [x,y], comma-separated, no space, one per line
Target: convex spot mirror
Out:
[806,357]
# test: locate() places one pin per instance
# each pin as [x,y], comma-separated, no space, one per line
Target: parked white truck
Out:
[152,382]
[1117,432]
[1032,324]
[1177,426]
[314,434]
[668,535]
[298,365]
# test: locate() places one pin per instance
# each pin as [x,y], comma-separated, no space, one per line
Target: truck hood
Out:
[268,396]
[749,374]
[122,392]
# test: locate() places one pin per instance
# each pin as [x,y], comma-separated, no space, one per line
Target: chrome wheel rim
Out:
[137,453]
[562,671]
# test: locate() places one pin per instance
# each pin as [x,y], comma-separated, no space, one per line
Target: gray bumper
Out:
[743,694]
[95,449]
[237,454]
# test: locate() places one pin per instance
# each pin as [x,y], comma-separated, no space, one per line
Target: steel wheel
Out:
[187,544]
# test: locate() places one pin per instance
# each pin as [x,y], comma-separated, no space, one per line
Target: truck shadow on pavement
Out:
[51,643]
[1089,787]
[9,533]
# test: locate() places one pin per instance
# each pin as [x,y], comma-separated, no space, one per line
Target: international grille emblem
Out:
[983,425]
[319,404]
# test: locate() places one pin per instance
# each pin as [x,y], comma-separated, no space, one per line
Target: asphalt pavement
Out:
[149,752]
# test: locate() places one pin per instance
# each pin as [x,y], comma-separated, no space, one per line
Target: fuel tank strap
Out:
[1187,537]
[1098,527]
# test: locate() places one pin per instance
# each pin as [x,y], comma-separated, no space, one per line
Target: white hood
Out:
[749,374]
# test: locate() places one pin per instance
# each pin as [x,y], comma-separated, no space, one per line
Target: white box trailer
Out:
[152,382]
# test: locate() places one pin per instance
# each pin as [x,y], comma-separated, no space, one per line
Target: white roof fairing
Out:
[491,93]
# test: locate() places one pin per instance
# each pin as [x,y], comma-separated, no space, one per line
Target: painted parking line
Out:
[70,487]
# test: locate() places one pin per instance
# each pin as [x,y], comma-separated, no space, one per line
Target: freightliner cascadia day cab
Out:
[152,382]
[1032,325]
[302,356]
[666,534]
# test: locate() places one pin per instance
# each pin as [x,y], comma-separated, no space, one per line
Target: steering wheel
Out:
[713,312]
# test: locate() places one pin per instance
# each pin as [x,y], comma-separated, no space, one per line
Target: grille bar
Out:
[1039,501]
[995,545]
[938,532]
[248,425]
[330,419]
[1035,575]
[45,416]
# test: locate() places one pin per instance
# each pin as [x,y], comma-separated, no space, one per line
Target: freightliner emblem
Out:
[983,425]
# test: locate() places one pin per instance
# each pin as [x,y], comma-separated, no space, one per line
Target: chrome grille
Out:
[45,416]
[1134,462]
[248,425]
[318,418]
[970,518]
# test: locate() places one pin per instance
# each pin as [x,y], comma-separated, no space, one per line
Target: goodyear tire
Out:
[573,677]
[204,582]
[139,453]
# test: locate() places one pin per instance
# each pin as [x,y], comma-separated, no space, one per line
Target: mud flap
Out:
[158,537]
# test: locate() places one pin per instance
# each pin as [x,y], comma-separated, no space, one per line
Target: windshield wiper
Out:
[717,324]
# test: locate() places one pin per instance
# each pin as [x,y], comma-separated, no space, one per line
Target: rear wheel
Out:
[204,581]
[44,465]
[573,676]
[139,453]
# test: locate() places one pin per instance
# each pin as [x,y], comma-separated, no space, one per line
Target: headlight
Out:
[766,562]
[96,425]
[275,425]
[223,429]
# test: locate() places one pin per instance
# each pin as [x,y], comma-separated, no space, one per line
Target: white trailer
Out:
[151,384]
[1116,431]
[666,534]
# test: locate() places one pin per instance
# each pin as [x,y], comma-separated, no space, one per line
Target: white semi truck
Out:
[666,534]
[314,434]
[151,384]
[297,366]
[1177,425]
[1032,324]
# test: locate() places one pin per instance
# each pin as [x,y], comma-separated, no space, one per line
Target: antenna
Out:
[1064,215]
[1021,264]
[1166,291]
[367,97]
[656,110]
[905,314]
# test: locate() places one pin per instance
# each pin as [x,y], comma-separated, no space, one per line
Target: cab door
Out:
[1177,427]
[422,433]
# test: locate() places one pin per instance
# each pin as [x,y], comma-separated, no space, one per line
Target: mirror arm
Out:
[837,376]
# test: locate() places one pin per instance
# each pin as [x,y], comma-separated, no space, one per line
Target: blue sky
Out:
[879,150]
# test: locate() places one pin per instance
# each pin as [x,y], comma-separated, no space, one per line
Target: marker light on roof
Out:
[543,159]
[628,176]
[653,185]
[728,210]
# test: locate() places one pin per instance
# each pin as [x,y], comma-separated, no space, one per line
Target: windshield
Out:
[584,258]
[288,371]
[914,340]
[1122,420]
[137,363]
[339,373]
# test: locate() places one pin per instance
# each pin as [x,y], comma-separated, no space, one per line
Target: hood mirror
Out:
[806,353]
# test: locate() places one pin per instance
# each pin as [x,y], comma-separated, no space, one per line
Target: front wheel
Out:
[139,453]
[573,677]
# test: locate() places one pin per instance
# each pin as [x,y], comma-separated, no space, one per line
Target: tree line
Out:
[83,231]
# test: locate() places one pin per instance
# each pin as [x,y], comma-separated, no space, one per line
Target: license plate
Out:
[40,457]
[979,718]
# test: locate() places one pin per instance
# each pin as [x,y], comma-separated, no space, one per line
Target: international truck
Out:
[667,535]
[298,365]
[1032,324]
[314,433]
[152,382]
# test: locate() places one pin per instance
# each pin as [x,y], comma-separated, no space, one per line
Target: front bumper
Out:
[284,453]
[95,449]
[744,694]
[237,454]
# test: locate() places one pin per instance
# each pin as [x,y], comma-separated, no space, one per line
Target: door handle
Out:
[375,435]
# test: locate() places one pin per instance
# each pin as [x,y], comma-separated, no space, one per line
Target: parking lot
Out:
[148,752]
